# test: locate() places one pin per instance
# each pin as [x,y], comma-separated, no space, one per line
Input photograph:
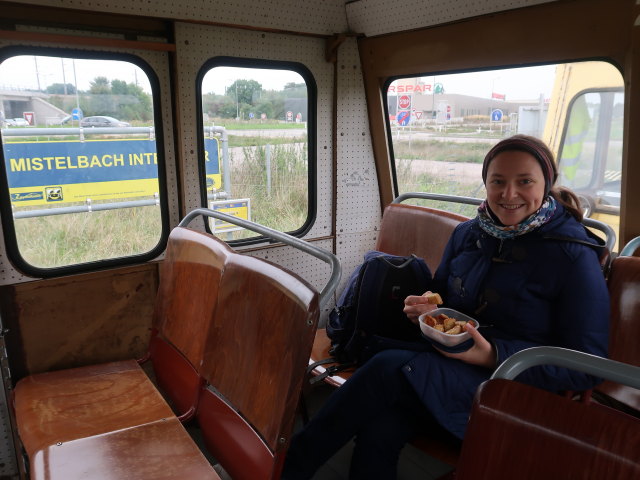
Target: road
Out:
[397,134]
[460,172]
[288,132]
[457,171]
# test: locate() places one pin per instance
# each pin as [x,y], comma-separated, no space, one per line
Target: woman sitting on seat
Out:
[526,269]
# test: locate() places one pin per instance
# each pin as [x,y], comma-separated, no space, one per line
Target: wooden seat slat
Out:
[157,450]
[77,403]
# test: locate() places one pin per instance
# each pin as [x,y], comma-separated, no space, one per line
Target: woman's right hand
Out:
[416,305]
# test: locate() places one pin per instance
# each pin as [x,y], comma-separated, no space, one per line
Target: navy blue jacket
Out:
[533,290]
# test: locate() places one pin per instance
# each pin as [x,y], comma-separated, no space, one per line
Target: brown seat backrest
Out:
[517,431]
[256,356]
[624,292]
[185,306]
[423,231]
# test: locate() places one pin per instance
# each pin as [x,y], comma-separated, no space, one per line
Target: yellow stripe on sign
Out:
[80,192]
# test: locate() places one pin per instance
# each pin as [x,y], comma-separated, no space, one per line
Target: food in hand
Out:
[445,324]
[433,298]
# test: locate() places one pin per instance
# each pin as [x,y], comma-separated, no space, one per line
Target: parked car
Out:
[102,121]
[17,122]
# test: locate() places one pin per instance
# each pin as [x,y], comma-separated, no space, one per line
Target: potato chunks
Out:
[445,324]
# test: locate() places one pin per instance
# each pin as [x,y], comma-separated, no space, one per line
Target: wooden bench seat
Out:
[517,431]
[88,405]
[232,337]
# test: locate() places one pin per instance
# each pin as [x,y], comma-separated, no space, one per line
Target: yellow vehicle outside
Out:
[584,131]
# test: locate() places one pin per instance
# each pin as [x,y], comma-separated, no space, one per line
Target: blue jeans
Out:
[378,407]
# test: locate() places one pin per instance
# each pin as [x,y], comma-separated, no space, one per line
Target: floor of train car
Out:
[413,463]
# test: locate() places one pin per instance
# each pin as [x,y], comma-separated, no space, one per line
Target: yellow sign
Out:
[239,208]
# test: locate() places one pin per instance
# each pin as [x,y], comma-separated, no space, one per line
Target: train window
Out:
[258,144]
[442,125]
[81,154]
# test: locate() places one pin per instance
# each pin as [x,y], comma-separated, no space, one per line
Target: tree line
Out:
[115,98]
[129,102]
[245,97]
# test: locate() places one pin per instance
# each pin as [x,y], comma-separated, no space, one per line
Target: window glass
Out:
[81,159]
[442,126]
[591,155]
[256,146]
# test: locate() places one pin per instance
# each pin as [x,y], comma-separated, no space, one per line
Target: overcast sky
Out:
[20,72]
[525,83]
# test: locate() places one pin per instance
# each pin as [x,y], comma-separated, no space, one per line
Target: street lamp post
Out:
[75,80]
[35,59]
[493,83]
[237,103]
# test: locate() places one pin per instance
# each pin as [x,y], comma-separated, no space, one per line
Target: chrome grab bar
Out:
[322,254]
[563,357]
[630,247]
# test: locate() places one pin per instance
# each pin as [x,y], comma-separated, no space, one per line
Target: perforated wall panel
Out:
[195,45]
[312,269]
[323,17]
[160,64]
[377,17]
[358,209]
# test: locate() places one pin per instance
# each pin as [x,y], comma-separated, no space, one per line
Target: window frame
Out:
[8,222]
[312,96]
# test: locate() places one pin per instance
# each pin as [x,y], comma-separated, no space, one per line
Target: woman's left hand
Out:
[481,353]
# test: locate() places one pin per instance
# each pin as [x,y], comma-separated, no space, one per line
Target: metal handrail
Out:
[629,249]
[610,234]
[572,359]
[324,255]
[437,196]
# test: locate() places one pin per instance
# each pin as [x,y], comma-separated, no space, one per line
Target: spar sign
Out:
[46,173]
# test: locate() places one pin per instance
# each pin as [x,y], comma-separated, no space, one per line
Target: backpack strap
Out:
[329,371]
[562,238]
[603,253]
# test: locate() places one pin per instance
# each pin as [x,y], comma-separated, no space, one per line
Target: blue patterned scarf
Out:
[533,221]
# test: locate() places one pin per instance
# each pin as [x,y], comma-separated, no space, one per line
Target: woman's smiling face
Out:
[515,186]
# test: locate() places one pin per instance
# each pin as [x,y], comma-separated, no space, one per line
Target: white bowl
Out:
[445,338]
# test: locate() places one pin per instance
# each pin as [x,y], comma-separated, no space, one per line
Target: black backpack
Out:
[369,314]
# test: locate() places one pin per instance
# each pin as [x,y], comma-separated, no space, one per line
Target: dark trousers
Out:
[378,407]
